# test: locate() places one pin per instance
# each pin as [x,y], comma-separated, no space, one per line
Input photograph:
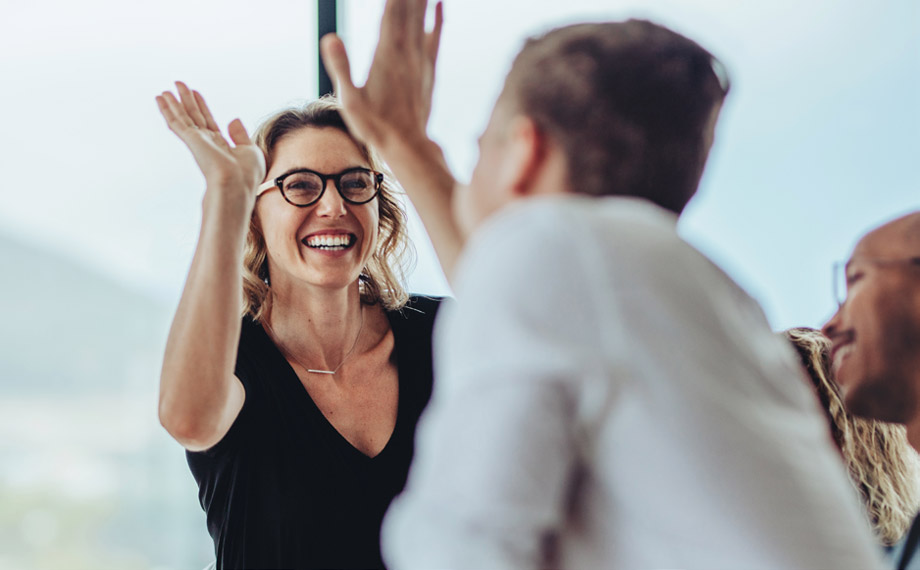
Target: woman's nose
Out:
[331,203]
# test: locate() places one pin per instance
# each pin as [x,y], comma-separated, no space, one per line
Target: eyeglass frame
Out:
[840,268]
[324,178]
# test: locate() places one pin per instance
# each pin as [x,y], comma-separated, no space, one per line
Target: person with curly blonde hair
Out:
[882,465]
[298,419]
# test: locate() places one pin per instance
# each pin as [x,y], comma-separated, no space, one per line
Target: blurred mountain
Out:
[88,478]
[66,329]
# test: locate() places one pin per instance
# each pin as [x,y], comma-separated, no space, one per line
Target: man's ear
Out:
[525,156]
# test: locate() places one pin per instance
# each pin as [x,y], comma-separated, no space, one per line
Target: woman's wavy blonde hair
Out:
[882,464]
[382,279]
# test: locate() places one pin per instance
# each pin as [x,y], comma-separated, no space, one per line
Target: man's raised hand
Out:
[394,104]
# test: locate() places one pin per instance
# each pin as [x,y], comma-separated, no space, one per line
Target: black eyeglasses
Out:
[305,187]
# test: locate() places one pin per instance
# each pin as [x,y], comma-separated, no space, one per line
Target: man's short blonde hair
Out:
[631,104]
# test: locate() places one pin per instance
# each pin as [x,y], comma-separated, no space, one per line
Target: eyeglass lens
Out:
[840,283]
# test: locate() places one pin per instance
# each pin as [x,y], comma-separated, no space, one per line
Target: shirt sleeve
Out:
[500,443]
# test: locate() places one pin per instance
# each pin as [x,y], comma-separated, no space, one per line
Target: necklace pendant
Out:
[286,353]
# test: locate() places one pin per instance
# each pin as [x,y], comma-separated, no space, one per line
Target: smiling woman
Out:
[299,419]
[286,138]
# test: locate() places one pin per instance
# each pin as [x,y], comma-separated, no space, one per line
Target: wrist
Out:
[228,202]
[408,146]
[415,158]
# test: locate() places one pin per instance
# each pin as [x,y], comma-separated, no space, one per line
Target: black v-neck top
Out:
[283,488]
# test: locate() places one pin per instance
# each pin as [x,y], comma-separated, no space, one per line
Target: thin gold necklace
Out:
[287,352]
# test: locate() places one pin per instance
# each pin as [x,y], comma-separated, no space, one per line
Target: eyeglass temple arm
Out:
[265,186]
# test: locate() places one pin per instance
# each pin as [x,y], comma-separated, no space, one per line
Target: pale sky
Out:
[818,142]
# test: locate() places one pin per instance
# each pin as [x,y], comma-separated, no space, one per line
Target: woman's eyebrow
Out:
[305,169]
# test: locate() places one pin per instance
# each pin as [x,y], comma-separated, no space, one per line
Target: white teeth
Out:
[337,241]
[840,355]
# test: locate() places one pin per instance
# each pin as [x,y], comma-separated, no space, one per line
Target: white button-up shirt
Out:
[606,397]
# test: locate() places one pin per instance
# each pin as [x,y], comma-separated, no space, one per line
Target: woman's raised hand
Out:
[224,166]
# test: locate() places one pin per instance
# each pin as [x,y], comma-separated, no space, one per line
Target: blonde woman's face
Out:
[326,244]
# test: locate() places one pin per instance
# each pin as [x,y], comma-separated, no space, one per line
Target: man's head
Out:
[629,108]
[876,331]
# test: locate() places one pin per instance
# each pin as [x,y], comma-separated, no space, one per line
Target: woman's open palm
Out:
[241,165]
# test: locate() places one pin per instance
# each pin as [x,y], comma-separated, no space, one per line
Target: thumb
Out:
[238,133]
[335,58]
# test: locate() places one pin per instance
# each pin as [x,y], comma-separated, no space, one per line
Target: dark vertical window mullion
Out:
[326,23]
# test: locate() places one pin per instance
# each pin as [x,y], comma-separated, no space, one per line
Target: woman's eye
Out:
[854,277]
[354,184]
[302,186]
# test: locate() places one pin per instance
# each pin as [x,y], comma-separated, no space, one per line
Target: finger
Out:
[394,20]
[165,110]
[171,120]
[238,133]
[433,39]
[176,117]
[191,107]
[205,112]
[416,23]
[335,58]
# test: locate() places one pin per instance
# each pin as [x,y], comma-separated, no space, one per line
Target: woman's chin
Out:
[331,280]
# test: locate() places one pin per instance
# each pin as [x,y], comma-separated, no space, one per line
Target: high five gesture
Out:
[390,112]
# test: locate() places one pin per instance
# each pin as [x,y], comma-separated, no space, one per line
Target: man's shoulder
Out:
[629,245]
[573,220]
[622,213]
[551,238]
